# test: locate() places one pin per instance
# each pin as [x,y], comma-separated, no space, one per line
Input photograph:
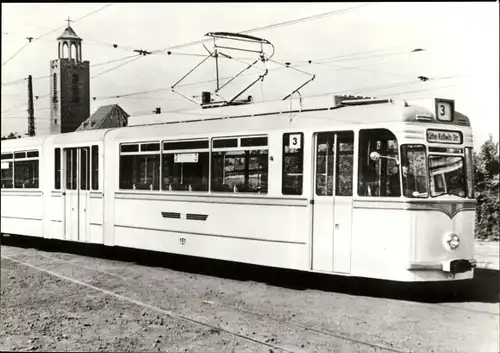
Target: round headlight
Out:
[453,241]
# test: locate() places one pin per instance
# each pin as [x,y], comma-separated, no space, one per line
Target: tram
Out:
[368,188]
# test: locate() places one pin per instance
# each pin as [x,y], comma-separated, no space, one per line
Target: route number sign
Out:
[294,142]
[445,109]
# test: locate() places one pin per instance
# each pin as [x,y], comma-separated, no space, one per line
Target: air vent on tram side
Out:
[196,217]
[171,215]
[462,121]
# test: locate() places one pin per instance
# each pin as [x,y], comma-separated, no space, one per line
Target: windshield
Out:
[414,171]
[447,175]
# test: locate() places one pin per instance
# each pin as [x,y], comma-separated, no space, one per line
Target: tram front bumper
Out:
[452,266]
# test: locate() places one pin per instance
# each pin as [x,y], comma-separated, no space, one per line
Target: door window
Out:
[334,149]
[71,169]
[84,168]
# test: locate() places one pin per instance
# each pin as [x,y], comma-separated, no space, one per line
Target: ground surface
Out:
[487,254]
[69,299]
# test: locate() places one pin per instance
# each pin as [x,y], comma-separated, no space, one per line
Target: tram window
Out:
[469,160]
[26,174]
[185,145]
[381,177]
[71,168]
[414,170]
[20,155]
[7,171]
[447,175]
[253,141]
[57,168]
[129,148]
[344,167]
[140,170]
[150,147]
[185,171]
[95,167]
[32,154]
[324,163]
[225,143]
[293,164]
[84,168]
[240,171]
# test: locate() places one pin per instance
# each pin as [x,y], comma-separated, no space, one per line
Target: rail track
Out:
[117,273]
[314,330]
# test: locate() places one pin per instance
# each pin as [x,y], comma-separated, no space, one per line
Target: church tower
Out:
[69,85]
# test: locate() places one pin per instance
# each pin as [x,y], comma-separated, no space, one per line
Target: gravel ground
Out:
[43,312]
[60,301]
[487,254]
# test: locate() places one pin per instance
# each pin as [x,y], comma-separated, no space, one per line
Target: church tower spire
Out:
[69,84]
[69,40]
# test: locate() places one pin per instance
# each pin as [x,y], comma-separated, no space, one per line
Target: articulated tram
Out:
[367,188]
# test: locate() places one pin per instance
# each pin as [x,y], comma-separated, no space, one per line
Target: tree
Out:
[486,173]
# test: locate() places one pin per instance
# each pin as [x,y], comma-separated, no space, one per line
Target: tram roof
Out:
[314,113]
[78,136]
[23,143]
[384,110]
[36,141]
[283,115]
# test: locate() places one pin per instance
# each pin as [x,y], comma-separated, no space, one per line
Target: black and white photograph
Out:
[250,177]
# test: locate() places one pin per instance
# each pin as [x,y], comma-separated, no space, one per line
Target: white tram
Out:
[368,188]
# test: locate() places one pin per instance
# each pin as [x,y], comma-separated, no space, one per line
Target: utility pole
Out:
[31,117]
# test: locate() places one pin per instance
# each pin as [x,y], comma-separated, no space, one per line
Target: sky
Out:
[356,48]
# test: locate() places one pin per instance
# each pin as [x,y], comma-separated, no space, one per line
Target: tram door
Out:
[77,183]
[332,206]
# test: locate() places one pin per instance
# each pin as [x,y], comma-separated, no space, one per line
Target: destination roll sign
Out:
[444,136]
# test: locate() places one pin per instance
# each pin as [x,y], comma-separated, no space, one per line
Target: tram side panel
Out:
[53,198]
[22,213]
[96,195]
[22,187]
[235,229]
[381,241]
[251,228]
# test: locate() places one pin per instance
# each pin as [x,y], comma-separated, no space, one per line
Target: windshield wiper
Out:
[449,193]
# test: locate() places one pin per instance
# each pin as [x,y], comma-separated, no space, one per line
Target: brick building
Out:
[69,85]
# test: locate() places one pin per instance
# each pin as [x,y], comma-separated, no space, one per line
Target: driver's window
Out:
[379,177]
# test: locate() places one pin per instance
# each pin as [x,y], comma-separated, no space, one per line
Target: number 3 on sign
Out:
[294,141]
[444,110]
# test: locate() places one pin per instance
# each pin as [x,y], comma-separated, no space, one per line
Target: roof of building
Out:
[69,33]
[107,116]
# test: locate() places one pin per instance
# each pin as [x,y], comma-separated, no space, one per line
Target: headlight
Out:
[453,241]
